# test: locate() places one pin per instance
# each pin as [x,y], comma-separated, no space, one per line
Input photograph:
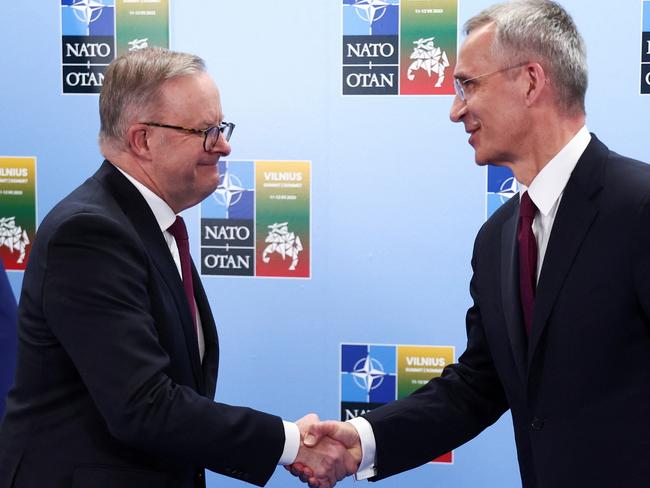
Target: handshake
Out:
[329,451]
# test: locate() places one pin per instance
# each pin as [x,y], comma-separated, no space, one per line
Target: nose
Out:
[222,147]
[458,109]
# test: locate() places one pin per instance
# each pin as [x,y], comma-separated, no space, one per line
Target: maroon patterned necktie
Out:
[179,231]
[527,259]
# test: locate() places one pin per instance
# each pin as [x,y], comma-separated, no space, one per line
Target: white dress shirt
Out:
[548,186]
[546,192]
[165,217]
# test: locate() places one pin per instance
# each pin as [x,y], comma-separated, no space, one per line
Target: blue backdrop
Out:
[396,197]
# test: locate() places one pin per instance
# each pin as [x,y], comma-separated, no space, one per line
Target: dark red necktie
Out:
[179,231]
[527,259]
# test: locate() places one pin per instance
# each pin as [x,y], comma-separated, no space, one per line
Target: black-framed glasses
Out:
[459,85]
[210,135]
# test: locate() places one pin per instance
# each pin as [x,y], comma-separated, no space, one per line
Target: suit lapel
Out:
[139,213]
[510,292]
[578,208]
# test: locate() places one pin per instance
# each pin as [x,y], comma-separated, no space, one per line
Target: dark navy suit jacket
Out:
[579,387]
[110,390]
[7,337]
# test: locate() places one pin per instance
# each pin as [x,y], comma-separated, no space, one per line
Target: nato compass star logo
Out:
[229,191]
[87,11]
[368,373]
[509,188]
[370,10]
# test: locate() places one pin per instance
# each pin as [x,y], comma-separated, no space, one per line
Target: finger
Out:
[326,483]
[297,466]
[305,477]
[321,482]
[304,474]
[309,419]
[303,468]
[315,483]
[313,436]
[316,431]
[324,476]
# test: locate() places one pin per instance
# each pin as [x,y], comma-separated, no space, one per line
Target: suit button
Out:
[537,424]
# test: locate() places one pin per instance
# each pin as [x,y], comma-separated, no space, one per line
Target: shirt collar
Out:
[548,185]
[163,213]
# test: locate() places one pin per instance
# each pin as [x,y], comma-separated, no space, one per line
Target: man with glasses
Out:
[559,330]
[118,350]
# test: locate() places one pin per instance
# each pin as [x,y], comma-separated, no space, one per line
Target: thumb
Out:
[317,431]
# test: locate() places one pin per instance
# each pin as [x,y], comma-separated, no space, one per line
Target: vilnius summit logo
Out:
[403,47]
[372,375]
[257,222]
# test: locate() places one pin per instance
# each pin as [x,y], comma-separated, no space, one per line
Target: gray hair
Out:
[132,85]
[545,31]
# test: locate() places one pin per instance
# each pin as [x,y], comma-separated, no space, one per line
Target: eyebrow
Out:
[213,122]
[210,123]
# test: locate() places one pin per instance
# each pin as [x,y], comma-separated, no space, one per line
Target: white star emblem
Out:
[87,11]
[370,10]
[229,190]
[509,188]
[368,373]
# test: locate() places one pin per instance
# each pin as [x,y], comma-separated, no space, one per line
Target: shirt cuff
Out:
[368,448]
[291,443]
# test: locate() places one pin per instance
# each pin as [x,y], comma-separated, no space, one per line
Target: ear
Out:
[137,137]
[537,83]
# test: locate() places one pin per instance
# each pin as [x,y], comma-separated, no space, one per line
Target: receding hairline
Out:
[163,97]
[476,31]
[477,23]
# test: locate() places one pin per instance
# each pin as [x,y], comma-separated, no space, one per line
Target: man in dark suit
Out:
[7,336]
[118,350]
[559,331]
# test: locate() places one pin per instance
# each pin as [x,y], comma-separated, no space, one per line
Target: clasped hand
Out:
[329,451]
